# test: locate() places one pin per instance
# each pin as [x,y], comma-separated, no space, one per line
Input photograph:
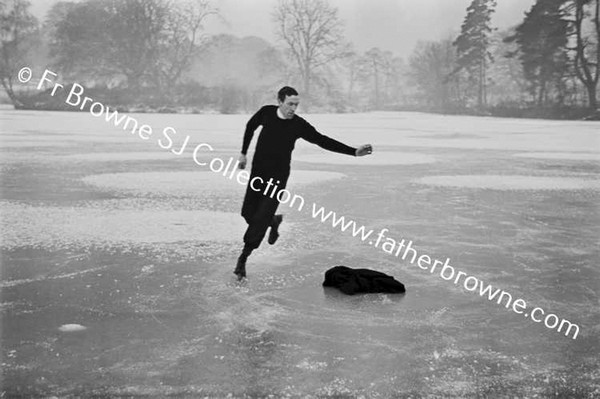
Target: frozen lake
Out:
[117,260]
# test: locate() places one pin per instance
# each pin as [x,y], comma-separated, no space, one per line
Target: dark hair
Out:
[286,91]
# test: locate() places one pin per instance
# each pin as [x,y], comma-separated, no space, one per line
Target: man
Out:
[281,127]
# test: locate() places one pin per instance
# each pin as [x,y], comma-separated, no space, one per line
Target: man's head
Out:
[288,101]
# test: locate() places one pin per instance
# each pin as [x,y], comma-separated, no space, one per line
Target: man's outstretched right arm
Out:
[251,126]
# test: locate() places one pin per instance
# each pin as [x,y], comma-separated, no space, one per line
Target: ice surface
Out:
[56,226]
[32,143]
[461,132]
[58,139]
[195,183]
[106,232]
[575,156]
[511,182]
[122,156]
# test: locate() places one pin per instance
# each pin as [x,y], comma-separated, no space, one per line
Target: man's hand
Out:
[364,150]
[242,161]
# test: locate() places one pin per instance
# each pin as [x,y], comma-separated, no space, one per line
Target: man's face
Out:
[288,106]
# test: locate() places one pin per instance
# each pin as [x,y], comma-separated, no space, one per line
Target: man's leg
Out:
[274,233]
[261,221]
[277,219]
[256,231]
[240,268]
[252,200]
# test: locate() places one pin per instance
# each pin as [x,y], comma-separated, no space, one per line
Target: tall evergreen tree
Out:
[472,45]
[542,41]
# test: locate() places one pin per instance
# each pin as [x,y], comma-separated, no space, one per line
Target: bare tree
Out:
[136,29]
[431,69]
[587,47]
[148,42]
[181,36]
[376,62]
[17,26]
[354,65]
[380,67]
[101,39]
[313,33]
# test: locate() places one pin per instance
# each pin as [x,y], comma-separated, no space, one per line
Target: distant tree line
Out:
[155,54]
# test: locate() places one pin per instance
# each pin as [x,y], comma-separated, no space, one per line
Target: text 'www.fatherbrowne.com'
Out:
[403,249]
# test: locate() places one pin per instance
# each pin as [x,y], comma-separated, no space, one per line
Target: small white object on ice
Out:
[72,327]
[148,269]
[436,355]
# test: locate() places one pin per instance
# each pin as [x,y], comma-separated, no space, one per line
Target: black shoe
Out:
[240,268]
[274,233]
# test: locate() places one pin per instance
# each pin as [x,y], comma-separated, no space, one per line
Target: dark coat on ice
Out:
[355,281]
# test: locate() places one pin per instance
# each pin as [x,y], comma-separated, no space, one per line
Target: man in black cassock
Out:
[281,127]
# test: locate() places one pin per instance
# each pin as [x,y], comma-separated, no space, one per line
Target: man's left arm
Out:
[310,134]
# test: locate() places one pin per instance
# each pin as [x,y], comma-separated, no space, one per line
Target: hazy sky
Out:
[395,25]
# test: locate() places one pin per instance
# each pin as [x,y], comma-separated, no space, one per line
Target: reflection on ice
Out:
[122,156]
[511,182]
[52,226]
[196,184]
[568,156]
[25,143]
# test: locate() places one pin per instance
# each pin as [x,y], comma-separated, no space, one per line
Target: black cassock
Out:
[272,158]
